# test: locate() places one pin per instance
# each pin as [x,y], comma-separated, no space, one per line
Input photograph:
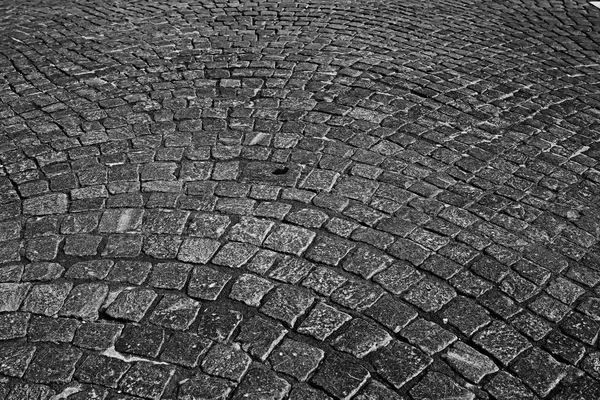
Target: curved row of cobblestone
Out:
[299,200]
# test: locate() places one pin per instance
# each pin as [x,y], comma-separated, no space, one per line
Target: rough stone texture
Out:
[340,378]
[226,361]
[440,386]
[470,363]
[385,181]
[399,362]
[296,359]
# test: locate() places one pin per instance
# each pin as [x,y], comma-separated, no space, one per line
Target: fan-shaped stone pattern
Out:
[305,200]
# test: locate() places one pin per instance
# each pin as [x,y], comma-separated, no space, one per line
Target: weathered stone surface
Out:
[131,305]
[207,283]
[429,336]
[440,386]
[250,289]
[146,380]
[12,295]
[540,371]
[226,361]
[47,299]
[296,359]
[287,304]
[203,386]
[361,338]
[53,364]
[15,358]
[289,239]
[399,362]
[469,362]
[175,312]
[100,370]
[322,321]
[261,383]
[340,377]
[84,301]
[259,336]
[55,203]
[197,250]
[502,341]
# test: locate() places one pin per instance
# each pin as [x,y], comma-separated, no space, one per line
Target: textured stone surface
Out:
[299,200]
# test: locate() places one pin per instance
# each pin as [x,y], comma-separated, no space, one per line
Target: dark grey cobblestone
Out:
[303,200]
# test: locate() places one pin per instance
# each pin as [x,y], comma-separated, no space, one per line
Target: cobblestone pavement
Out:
[376,200]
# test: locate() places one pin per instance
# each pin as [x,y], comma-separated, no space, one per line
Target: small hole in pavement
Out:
[280,171]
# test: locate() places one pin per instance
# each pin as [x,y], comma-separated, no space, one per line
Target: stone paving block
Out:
[165,221]
[47,329]
[391,313]
[196,250]
[31,391]
[250,289]
[101,370]
[131,305]
[581,327]
[12,295]
[169,275]
[185,349]
[82,245]
[97,335]
[357,295]
[203,386]
[504,386]
[162,246]
[502,341]
[261,383]
[47,299]
[234,254]
[55,203]
[540,371]
[287,303]
[147,380]
[142,340]
[133,272]
[375,390]
[442,387]
[323,280]
[366,262]
[259,336]
[53,364]
[95,269]
[549,308]
[42,271]
[226,361]
[296,359]
[11,273]
[291,269]
[15,358]
[398,278]
[123,245]
[289,239]
[430,294]
[120,220]
[361,338]
[207,283]
[84,301]
[305,392]
[399,362]
[42,248]
[564,347]
[340,377]
[466,315]
[564,290]
[250,230]
[429,336]
[469,363]
[218,323]
[328,250]
[175,311]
